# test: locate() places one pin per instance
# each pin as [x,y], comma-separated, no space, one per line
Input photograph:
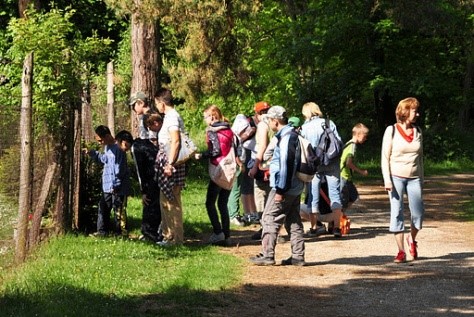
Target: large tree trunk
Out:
[145,59]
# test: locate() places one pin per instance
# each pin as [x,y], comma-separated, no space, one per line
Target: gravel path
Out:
[355,275]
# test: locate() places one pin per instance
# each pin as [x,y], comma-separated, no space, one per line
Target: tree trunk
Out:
[26,177]
[76,167]
[145,59]
[40,205]
[466,111]
[110,97]
[86,114]
[24,4]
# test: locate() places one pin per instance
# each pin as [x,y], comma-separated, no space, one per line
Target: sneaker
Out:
[252,219]
[98,235]
[412,245]
[217,238]
[318,231]
[292,261]
[401,257]
[257,235]
[164,243]
[262,260]
[337,232]
[236,222]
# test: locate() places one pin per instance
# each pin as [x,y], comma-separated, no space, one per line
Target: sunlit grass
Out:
[77,275]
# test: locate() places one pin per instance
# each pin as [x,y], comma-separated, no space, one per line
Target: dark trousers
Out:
[221,196]
[107,202]
[151,214]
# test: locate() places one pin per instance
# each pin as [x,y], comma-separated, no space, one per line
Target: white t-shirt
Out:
[172,121]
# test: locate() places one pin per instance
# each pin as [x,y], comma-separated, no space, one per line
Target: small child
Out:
[113,180]
[124,140]
[349,192]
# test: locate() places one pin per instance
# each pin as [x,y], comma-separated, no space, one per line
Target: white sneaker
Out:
[216,238]
[236,222]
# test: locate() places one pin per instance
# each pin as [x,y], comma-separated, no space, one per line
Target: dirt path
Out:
[355,276]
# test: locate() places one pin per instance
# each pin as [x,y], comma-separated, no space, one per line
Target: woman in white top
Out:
[402,169]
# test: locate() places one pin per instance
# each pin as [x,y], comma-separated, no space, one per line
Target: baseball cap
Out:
[295,122]
[261,106]
[275,112]
[137,96]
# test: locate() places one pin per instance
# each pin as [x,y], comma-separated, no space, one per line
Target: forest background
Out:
[356,59]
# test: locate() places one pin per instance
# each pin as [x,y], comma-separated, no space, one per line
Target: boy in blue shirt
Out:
[114,183]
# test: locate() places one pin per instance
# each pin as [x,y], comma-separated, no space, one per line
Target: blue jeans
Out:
[333,180]
[412,187]
[216,193]
[107,203]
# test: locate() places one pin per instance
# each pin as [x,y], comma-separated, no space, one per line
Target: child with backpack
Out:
[221,150]
[349,192]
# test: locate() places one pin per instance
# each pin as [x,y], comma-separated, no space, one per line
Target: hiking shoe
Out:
[401,257]
[318,231]
[237,222]
[292,261]
[259,259]
[257,235]
[412,245]
[337,232]
[217,238]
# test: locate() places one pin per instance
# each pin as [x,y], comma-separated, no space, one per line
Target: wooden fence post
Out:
[25,199]
[110,98]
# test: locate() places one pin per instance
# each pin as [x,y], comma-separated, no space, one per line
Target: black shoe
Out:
[291,261]
[337,232]
[262,260]
[257,235]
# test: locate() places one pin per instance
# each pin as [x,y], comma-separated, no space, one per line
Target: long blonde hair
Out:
[311,109]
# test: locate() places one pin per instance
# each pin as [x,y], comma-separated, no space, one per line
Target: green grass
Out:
[76,275]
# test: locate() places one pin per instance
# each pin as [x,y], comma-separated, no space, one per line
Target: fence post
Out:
[110,98]
[25,199]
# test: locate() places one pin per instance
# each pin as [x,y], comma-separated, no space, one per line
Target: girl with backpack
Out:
[220,143]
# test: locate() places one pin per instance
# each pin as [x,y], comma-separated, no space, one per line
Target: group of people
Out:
[161,179]
[402,169]
[266,154]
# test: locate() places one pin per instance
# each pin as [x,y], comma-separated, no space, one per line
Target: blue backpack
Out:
[329,147]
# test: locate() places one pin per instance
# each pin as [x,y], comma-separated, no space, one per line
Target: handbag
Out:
[186,150]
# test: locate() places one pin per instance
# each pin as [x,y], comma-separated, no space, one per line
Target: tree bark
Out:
[26,155]
[145,59]
[24,4]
